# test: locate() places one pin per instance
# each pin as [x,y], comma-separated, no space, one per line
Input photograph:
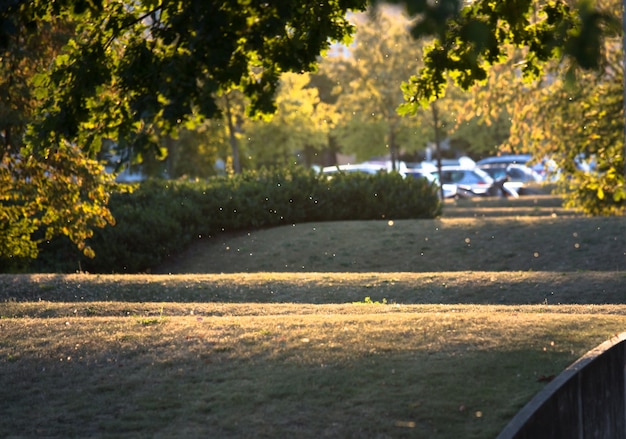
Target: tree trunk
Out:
[234,144]
[393,149]
[435,111]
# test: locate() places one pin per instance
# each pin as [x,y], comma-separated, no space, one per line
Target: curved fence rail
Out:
[587,400]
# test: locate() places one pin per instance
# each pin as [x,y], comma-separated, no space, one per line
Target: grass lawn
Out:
[417,329]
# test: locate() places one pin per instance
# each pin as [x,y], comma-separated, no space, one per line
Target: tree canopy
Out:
[136,68]
[368,78]
[472,36]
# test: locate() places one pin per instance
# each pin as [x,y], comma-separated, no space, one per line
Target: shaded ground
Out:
[530,234]
[505,288]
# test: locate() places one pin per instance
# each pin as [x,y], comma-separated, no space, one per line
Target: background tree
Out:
[569,116]
[471,37]
[475,37]
[133,74]
[382,56]
[578,123]
[298,127]
[486,113]
[195,152]
[368,77]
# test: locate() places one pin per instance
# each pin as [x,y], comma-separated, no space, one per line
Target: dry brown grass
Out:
[239,370]
[345,352]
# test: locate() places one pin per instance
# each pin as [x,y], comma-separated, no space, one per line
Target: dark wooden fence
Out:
[587,400]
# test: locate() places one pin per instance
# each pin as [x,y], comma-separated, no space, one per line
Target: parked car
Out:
[366,168]
[449,190]
[469,182]
[518,178]
[508,159]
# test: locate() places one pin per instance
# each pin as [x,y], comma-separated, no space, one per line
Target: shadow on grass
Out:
[148,390]
[511,288]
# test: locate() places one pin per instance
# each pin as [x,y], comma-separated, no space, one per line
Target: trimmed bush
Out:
[161,218]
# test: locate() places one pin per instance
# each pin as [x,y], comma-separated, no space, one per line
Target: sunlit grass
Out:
[351,370]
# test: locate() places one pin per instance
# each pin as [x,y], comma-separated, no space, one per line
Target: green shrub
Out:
[161,218]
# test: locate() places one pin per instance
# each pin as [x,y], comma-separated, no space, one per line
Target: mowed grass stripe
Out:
[508,288]
[512,243]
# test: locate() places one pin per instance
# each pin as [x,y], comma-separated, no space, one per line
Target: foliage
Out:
[136,72]
[34,206]
[56,191]
[589,123]
[300,122]
[574,120]
[79,73]
[367,78]
[161,218]
[368,87]
[473,36]
[534,98]
[193,152]
[491,108]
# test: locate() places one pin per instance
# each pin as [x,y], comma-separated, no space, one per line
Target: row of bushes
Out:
[161,218]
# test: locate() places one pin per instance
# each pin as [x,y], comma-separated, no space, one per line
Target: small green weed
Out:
[368,301]
[150,321]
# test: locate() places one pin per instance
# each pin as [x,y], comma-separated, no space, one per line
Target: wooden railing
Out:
[587,400]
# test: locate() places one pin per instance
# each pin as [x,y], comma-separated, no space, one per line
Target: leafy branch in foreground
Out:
[472,38]
[57,190]
[63,193]
[164,69]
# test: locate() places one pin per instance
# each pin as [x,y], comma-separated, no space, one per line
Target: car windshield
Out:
[482,175]
[465,176]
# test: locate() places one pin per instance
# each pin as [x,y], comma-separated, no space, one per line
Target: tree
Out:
[299,124]
[369,92]
[158,63]
[369,78]
[134,74]
[59,191]
[194,152]
[472,38]
[578,123]
[491,108]
[569,116]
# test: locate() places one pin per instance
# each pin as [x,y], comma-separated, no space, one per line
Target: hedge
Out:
[160,218]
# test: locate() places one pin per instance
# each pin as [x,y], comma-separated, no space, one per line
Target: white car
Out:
[366,168]
[468,181]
